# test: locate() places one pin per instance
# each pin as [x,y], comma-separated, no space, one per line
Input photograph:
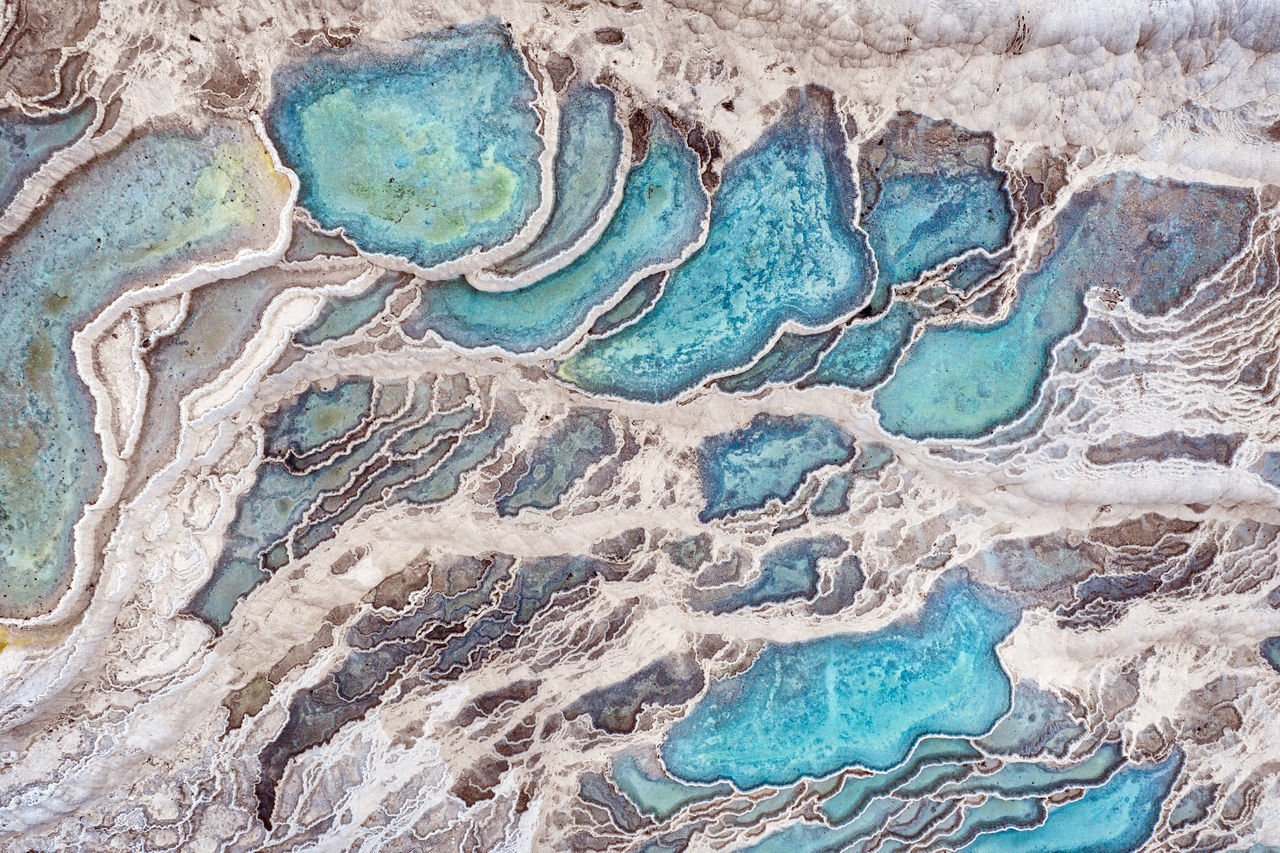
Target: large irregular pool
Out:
[812,708]
[426,149]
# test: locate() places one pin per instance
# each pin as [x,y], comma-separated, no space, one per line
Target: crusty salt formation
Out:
[639,427]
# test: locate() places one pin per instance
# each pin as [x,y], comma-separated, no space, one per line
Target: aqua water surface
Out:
[930,194]
[659,795]
[588,154]
[856,792]
[427,149]
[791,357]
[1116,817]
[811,708]
[318,417]
[864,353]
[789,571]
[634,302]
[781,247]
[158,201]
[1270,651]
[1150,240]
[342,315]
[767,459]
[568,449]
[661,213]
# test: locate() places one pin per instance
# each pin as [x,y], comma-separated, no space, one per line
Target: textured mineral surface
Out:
[640,425]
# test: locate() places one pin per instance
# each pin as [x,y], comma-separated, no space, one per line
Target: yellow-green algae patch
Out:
[161,203]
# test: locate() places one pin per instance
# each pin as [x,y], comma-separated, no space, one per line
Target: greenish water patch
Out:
[308,244]
[661,213]
[636,301]
[443,449]
[588,155]
[317,417]
[469,453]
[820,838]
[157,202]
[26,143]
[812,708]
[1040,722]
[781,247]
[1027,778]
[834,497]
[1039,564]
[1126,232]
[427,149]
[1116,817]
[992,816]
[767,459]
[575,443]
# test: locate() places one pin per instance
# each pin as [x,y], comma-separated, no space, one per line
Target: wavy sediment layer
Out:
[640,427]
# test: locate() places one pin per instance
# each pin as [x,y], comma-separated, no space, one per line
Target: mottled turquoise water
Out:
[661,213]
[26,143]
[820,838]
[994,815]
[865,353]
[427,149]
[588,155]
[1270,651]
[636,301]
[767,459]
[791,357]
[1116,817]
[1024,778]
[158,202]
[781,246]
[834,497]
[563,454]
[318,417]
[1148,239]
[811,708]
[857,792]
[930,195]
